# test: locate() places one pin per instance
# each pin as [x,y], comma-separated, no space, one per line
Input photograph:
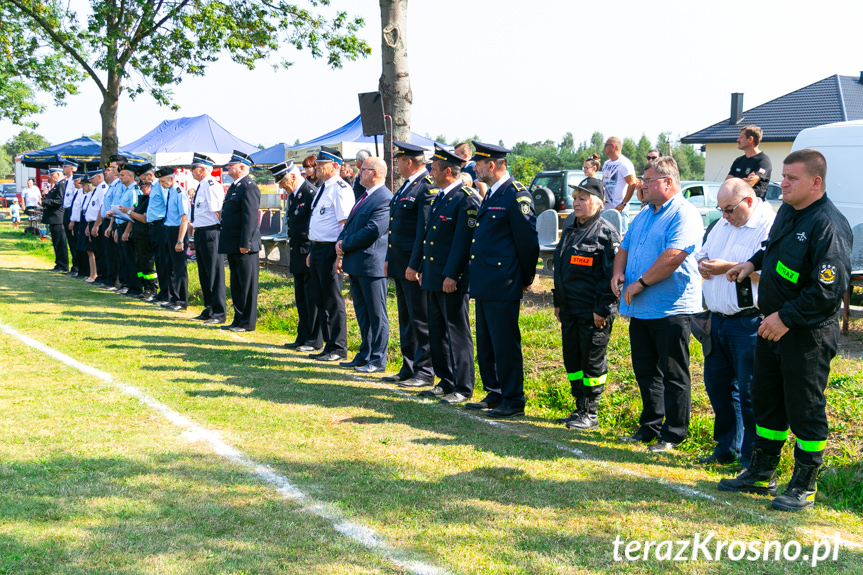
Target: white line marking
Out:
[193,432]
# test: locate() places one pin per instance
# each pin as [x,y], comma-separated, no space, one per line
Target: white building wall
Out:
[718,159]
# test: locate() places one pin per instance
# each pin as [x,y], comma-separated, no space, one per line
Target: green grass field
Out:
[95,481]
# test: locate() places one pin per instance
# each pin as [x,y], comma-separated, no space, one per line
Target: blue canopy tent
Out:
[349,140]
[270,157]
[174,141]
[83,151]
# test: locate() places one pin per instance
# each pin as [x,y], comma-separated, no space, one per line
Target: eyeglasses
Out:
[646,181]
[730,211]
[368,170]
[651,158]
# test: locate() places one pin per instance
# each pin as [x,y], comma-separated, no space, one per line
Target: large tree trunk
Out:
[395,85]
[108,111]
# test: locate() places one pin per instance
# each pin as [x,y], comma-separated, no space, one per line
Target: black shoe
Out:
[293,345]
[58,269]
[213,321]
[584,421]
[414,382]
[436,391]
[394,378]
[306,348]
[571,417]
[148,298]
[353,363]
[502,411]
[329,356]
[123,290]
[177,307]
[370,368]
[454,398]
[238,329]
[490,401]
[662,447]
[634,438]
[166,304]
[134,294]
[202,316]
[801,490]
[759,477]
[714,459]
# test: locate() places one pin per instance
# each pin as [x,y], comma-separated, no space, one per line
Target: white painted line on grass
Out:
[193,432]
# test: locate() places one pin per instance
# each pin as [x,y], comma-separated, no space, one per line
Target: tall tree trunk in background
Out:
[108,111]
[395,85]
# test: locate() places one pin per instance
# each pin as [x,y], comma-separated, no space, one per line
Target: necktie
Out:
[356,205]
[318,197]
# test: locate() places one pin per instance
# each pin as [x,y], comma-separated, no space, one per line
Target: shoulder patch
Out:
[827,274]
[471,212]
[343,184]
[434,191]
[428,179]
[526,199]
[518,186]
[211,181]
[525,209]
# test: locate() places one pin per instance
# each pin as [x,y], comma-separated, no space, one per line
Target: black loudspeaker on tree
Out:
[372,113]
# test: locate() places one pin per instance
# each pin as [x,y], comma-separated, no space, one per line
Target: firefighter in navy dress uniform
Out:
[502,267]
[805,269]
[409,210]
[583,301]
[240,239]
[441,255]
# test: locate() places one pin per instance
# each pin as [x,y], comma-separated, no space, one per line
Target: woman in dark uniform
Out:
[583,301]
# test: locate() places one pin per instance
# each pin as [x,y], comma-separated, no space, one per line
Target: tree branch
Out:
[60,41]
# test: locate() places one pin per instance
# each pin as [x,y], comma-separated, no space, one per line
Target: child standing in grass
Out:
[15,209]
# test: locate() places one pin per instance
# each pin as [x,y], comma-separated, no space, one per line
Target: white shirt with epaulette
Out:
[209,198]
[331,210]
[94,207]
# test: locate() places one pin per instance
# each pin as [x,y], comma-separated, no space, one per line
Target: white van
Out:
[842,145]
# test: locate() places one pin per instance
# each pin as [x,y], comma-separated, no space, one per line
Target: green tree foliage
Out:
[149,46]
[95,136]
[25,141]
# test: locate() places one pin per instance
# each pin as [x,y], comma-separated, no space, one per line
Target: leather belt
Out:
[748,312]
[208,228]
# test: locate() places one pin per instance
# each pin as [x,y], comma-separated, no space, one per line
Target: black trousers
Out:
[584,354]
[498,350]
[98,243]
[327,285]
[58,242]
[145,263]
[660,359]
[211,271]
[129,267]
[450,341]
[244,288]
[162,254]
[112,250]
[82,262]
[179,288]
[788,390]
[414,331]
[70,240]
[308,325]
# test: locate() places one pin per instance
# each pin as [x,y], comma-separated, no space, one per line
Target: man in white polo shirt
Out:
[735,317]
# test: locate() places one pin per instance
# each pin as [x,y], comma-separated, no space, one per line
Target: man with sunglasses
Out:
[734,321]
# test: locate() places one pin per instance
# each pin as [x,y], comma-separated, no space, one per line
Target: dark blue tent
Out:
[83,151]
[269,157]
[349,139]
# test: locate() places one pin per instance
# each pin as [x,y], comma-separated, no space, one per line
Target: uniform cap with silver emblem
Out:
[202,160]
[279,171]
[238,157]
[329,155]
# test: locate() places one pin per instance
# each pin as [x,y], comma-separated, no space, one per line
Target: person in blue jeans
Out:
[730,356]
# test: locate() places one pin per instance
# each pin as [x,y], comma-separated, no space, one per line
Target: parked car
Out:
[550,190]
[774,195]
[700,193]
[9,191]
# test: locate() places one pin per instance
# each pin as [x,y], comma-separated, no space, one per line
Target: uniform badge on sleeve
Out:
[827,275]
[525,209]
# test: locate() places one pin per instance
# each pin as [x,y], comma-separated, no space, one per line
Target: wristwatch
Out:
[641,281]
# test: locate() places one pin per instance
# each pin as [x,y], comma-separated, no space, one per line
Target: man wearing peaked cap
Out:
[177,212]
[330,210]
[240,239]
[92,211]
[126,196]
[206,224]
[439,262]
[301,194]
[145,264]
[52,216]
[160,245]
[503,265]
[410,205]
[69,168]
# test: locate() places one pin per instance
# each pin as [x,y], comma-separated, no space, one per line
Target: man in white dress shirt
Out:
[206,223]
[735,317]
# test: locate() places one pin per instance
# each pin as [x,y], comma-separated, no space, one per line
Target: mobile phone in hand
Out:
[744,293]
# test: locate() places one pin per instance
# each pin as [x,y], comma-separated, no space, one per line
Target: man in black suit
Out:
[410,208]
[504,253]
[240,239]
[289,177]
[440,263]
[362,248]
[52,216]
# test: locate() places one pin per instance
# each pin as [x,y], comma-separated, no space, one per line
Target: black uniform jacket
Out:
[805,265]
[299,215]
[408,213]
[52,204]
[505,247]
[240,218]
[583,266]
[442,246]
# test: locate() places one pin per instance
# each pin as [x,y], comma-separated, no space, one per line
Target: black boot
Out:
[588,418]
[579,408]
[759,477]
[800,492]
